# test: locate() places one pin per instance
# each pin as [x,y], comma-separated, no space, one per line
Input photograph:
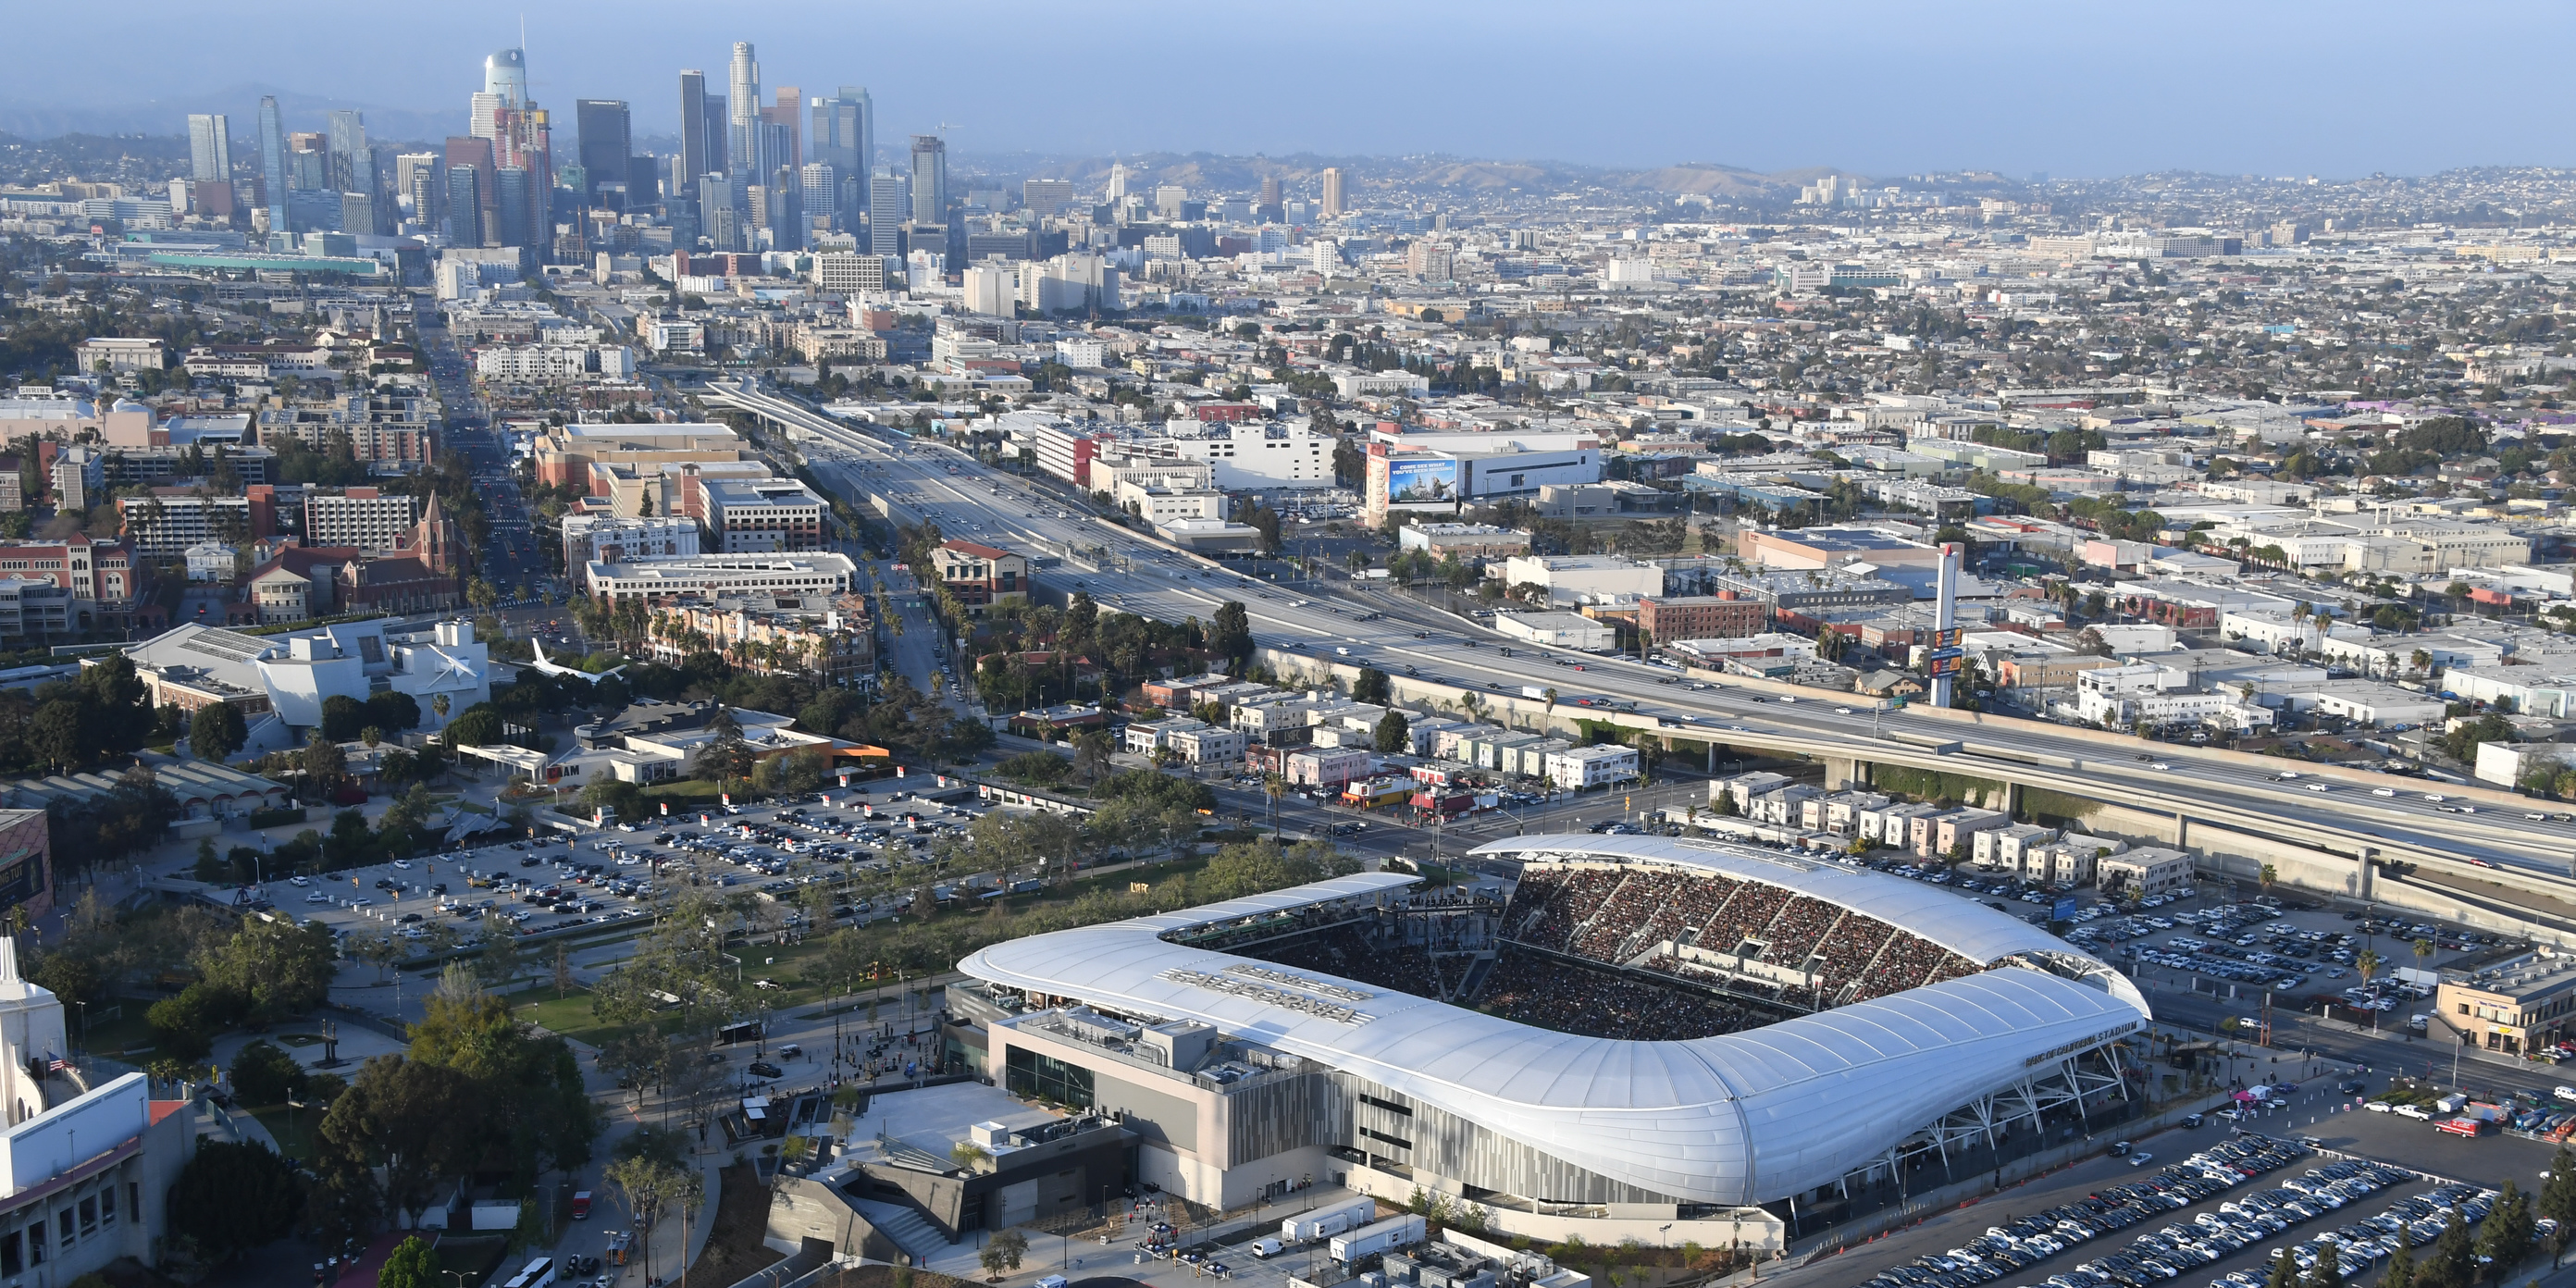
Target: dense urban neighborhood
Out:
[769,703]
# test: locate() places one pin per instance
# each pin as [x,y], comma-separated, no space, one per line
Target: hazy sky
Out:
[2073,88]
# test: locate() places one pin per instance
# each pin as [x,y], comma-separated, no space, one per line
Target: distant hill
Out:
[165,119]
[31,119]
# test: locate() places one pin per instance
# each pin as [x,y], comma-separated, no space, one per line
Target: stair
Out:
[906,1228]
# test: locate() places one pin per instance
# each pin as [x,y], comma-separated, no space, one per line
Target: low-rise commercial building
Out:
[792,576]
[757,517]
[602,538]
[2143,872]
[1562,630]
[1463,540]
[2514,1008]
[1577,768]
[981,576]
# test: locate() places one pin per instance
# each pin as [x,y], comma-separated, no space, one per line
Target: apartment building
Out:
[1702,617]
[164,524]
[364,517]
[818,637]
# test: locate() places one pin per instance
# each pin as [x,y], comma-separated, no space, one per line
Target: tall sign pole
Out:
[1942,662]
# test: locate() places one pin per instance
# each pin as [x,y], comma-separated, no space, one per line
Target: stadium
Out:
[1632,1037]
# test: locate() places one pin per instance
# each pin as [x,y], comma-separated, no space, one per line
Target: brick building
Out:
[1702,617]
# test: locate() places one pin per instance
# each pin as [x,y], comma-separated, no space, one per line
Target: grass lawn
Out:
[124,1031]
[677,791]
[295,1140]
[569,1015]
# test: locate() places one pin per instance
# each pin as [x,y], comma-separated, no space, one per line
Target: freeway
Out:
[2342,812]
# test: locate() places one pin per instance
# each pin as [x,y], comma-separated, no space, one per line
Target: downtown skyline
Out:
[2015,89]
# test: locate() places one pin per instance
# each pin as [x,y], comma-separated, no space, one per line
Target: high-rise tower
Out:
[272,163]
[742,126]
[210,147]
[606,144]
[929,179]
[693,124]
[505,76]
[353,164]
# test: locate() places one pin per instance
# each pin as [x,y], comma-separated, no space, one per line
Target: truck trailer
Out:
[1324,1223]
[1385,1236]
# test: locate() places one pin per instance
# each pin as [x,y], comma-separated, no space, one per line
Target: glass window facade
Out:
[1031,1074]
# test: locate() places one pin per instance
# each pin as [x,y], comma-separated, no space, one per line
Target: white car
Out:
[404,864]
[2160,767]
[317,897]
[298,881]
[2383,791]
[2319,787]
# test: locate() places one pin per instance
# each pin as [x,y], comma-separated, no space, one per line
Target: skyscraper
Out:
[885,216]
[742,100]
[1333,192]
[272,163]
[210,147]
[1270,208]
[420,177]
[606,143]
[820,186]
[464,206]
[719,131]
[693,124]
[353,164]
[1117,182]
[465,152]
[510,201]
[785,210]
[788,114]
[929,179]
[505,76]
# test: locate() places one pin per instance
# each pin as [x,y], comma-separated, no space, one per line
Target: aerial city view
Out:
[1657,647]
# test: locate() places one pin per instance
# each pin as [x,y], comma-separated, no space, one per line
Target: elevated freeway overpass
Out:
[2237,808]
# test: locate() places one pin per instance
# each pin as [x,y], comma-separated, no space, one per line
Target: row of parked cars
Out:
[2416,1221]
[2020,1244]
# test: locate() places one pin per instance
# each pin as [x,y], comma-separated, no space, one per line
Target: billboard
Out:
[2064,910]
[1421,480]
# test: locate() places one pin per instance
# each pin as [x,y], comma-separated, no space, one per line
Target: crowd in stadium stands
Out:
[1548,994]
[1351,951]
[1613,915]
[1557,906]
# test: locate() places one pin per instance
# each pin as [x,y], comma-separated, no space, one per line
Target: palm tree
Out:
[1551,701]
[2267,876]
[2423,953]
[2367,965]
[1274,786]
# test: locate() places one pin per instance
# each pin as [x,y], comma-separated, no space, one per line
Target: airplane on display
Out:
[557,669]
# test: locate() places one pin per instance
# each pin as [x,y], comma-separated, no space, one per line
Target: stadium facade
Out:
[1637,1031]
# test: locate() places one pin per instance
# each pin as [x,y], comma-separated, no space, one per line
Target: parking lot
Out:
[847,839]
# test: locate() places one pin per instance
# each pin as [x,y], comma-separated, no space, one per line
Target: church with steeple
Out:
[435,541]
